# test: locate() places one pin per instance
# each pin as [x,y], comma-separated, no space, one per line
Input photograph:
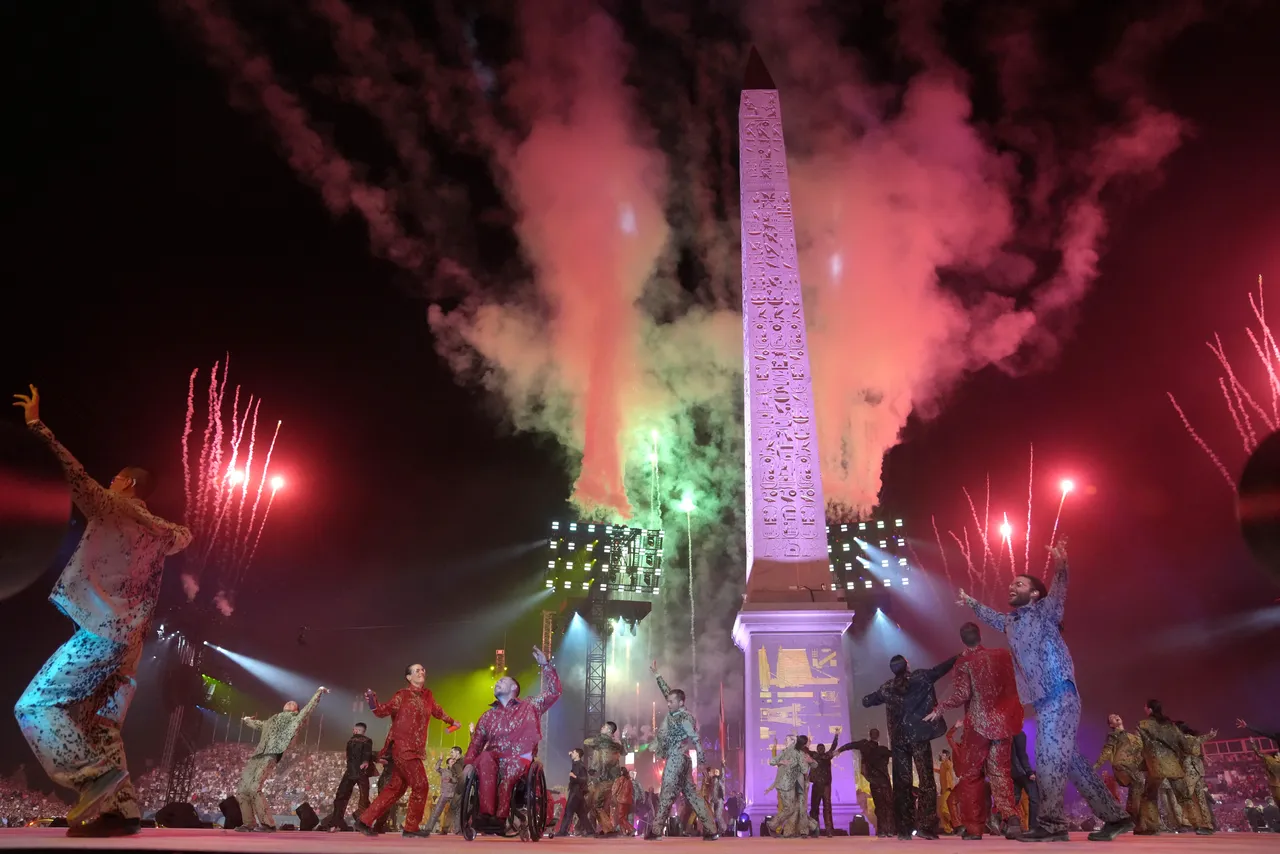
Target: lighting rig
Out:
[869,556]
[612,573]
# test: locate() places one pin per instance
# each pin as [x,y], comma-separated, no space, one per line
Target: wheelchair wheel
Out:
[535,798]
[470,807]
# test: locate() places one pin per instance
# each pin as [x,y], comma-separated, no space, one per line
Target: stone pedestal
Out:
[796,682]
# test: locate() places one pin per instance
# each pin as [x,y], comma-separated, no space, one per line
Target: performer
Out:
[1123,749]
[1271,765]
[604,765]
[874,761]
[359,769]
[793,763]
[907,698]
[410,709]
[714,794]
[1193,765]
[450,797]
[387,764]
[278,732]
[73,711]
[675,737]
[820,778]
[946,784]
[506,739]
[1026,785]
[1163,746]
[576,804]
[985,685]
[1046,679]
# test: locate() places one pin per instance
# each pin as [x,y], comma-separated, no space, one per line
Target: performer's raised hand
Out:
[29,403]
[322,690]
[540,657]
[371,698]
[1240,724]
[653,667]
[965,598]
[1059,550]
[249,718]
[452,728]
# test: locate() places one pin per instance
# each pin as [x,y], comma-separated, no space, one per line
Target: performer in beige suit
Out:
[278,732]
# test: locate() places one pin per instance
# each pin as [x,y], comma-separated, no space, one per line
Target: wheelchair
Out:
[528,799]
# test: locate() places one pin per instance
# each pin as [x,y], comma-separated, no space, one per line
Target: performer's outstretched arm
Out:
[252,722]
[938,671]
[439,714]
[1056,601]
[989,616]
[961,690]
[662,683]
[382,710]
[93,499]
[875,698]
[548,697]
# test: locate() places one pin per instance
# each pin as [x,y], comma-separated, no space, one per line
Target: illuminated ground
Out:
[337,843]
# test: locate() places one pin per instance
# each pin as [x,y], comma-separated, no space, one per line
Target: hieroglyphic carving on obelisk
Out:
[786,519]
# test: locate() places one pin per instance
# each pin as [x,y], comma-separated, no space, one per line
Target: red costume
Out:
[504,743]
[985,684]
[410,710]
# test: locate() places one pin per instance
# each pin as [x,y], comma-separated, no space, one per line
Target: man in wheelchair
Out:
[505,742]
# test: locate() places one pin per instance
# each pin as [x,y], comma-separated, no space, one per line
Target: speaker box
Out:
[231,815]
[306,816]
[178,815]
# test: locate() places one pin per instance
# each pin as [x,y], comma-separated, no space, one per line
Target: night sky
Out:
[151,228]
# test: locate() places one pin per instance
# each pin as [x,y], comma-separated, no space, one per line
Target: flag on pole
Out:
[724,742]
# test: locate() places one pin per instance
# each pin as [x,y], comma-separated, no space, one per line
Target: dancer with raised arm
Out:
[410,709]
[985,686]
[505,740]
[677,735]
[278,732]
[74,709]
[908,697]
[1047,680]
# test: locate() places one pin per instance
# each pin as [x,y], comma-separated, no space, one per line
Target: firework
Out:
[216,492]
[1247,415]
[1031,472]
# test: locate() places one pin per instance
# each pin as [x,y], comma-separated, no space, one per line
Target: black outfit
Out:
[384,779]
[1021,771]
[907,699]
[875,767]
[576,801]
[820,779]
[359,753]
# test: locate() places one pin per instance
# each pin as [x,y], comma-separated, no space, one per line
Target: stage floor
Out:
[338,843]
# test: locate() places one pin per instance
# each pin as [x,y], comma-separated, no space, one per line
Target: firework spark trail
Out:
[968,559]
[982,530]
[942,551]
[265,513]
[1241,394]
[225,494]
[1054,535]
[986,536]
[1235,414]
[1031,471]
[1204,446]
[253,515]
[195,517]
[186,437]
[244,481]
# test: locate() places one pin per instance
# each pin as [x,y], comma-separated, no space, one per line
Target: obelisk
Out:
[791,623]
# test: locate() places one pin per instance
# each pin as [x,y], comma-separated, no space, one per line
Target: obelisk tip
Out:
[757,75]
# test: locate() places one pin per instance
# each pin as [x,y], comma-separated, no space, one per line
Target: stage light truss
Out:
[868,555]
[587,556]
